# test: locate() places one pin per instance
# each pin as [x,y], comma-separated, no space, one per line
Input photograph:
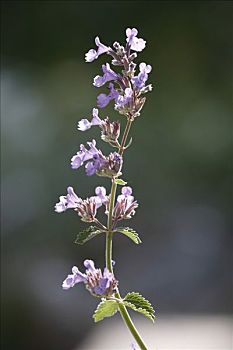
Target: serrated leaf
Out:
[138,303]
[120,182]
[87,234]
[106,308]
[129,232]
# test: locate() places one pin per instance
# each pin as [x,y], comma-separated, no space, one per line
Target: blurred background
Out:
[179,166]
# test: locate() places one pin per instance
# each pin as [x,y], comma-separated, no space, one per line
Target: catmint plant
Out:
[126,84]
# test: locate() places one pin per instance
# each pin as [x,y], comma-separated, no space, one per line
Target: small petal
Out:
[131,33]
[102,287]
[109,75]
[73,279]
[140,79]
[103,100]
[84,125]
[100,191]
[89,264]
[91,55]
[90,168]
[68,282]
[96,119]
[76,161]
[138,44]
[100,197]
[72,198]
[98,81]
[145,67]
[101,47]
[78,275]
[126,191]
[135,43]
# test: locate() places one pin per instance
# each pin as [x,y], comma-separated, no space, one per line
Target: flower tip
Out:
[91,55]
[97,41]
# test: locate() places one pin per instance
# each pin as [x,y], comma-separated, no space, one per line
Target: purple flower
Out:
[92,54]
[109,75]
[69,201]
[126,193]
[87,208]
[139,80]
[84,124]
[103,99]
[125,205]
[98,283]
[100,197]
[96,119]
[134,43]
[98,161]
[83,154]
[73,279]
[125,99]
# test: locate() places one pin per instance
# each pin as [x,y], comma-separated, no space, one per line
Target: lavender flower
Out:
[84,124]
[101,197]
[87,208]
[103,99]
[125,205]
[69,201]
[74,278]
[98,283]
[139,80]
[98,163]
[84,154]
[109,131]
[134,43]
[92,54]
[109,75]
[127,98]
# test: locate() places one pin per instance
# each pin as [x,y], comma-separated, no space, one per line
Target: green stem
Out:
[108,251]
[109,234]
[129,323]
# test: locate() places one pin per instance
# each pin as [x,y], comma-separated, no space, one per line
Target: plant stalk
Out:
[108,250]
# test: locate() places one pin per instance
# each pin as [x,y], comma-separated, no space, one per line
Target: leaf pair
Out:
[93,231]
[135,301]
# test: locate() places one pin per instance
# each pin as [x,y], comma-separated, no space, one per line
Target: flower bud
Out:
[110,131]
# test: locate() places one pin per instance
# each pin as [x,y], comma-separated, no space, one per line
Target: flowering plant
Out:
[127,90]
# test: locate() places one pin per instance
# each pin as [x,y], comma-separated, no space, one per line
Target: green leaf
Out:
[138,303]
[106,308]
[120,182]
[129,232]
[87,234]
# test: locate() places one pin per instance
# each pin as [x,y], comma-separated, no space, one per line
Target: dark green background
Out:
[179,162]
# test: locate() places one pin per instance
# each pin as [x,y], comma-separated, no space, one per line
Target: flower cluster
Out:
[125,205]
[125,89]
[99,164]
[98,283]
[87,208]
[110,131]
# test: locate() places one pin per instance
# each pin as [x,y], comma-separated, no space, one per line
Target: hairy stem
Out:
[108,251]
